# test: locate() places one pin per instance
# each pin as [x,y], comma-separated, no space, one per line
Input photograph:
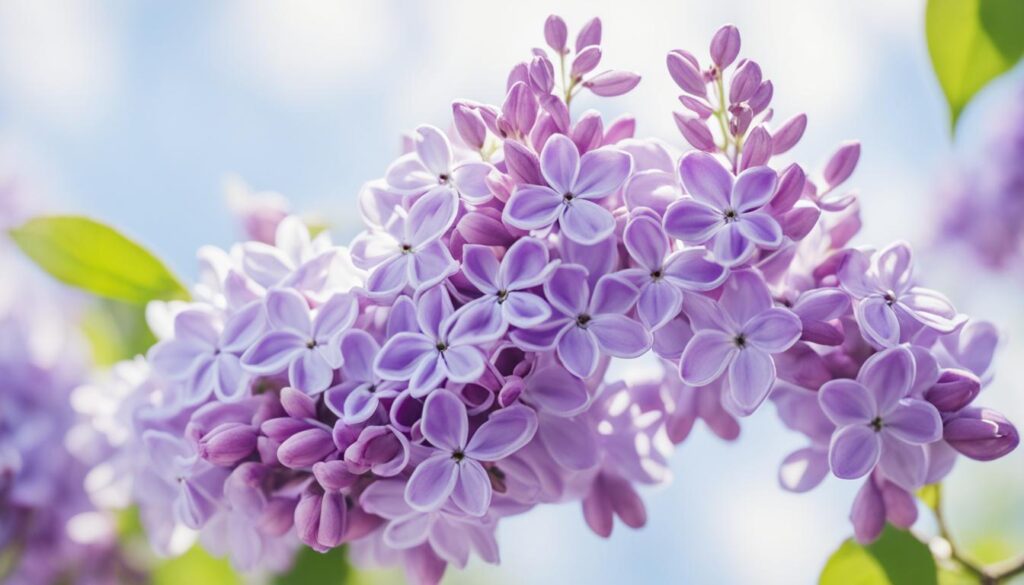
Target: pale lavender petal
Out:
[407,173]
[196,327]
[888,375]
[470,179]
[401,355]
[894,266]
[659,302]
[532,207]
[176,358]
[359,349]
[505,432]
[692,270]
[560,163]
[523,309]
[408,531]
[480,266]
[475,323]
[243,328]
[846,402]
[359,406]
[761,228]
[878,321]
[429,374]
[433,307]
[706,356]
[914,421]
[432,483]
[822,304]
[310,373]
[433,149]
[774,330]
[620,336]
[931,309]
[706,179]
[286,309]
[567,289]
[601,172]
[754,187]
[390,277]
[731,247]
[751,376]
[692,221]
[571,442]
[525,265]
[230,380]
[905,464]
[273,352]
[613,294]
[541,337]
[334,316]
[554,390]
[745,296]
[646,242]
[803,469]
[854,451]
[430,265]
[464,363]
[445,423]
[578,351]
[586,222]
[472,493]
[431,216]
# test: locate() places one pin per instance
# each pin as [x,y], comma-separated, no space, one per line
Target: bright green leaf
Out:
[896,558]
[330,568]
[116,331]
[195,566]
[972,42]
[97,258]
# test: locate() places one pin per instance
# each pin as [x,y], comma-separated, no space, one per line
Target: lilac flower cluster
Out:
[449,368]
[984,192]
[49,530]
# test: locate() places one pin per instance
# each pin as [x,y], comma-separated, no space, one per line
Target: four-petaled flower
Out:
[432,164]
[358,396]
[505,285]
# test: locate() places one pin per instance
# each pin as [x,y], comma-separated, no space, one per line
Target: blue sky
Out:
[133,113]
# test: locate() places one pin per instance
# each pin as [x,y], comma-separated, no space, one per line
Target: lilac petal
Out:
[273,352]
[691,270]
[429,374]
[646,242]
[472,492]
[407,174]
[706,356]
[359,406]
[445,422]
[878,321]
[571,442]
[613,294]
[523,309]
[671,339]
[931,309]
[286,309]
[601,172]
[464,363]
[774,330]
[408,531]
[578,351]
[693,222]
[761,228]
[905,464]
[822,304]
[433,149]
[705,179]
[202,381]
[195,327]
[481,268]
[402,317]
[177,358]
[532,207]
[505,432]
[846,402]
[430,265]
[754,187]
[525,265]
[751,376]
[243,328]
[567,289]
[401,355]
[390,277]
[475,323]
[620,336]
[431,216]
[230,381]
[334,316]
[659,302]
[470,179]
[586,222]
[854,451]
[541,337]
[803,469]
[745,296]
[868,513]
[432,483]
[358,348]
[855,276]
[310,373]
[385,499]
[433,307]
[894,266]
[914,421]
[888,375]
[560,163]
[555,391]
[731,247]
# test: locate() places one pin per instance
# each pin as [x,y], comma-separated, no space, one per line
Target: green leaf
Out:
[896,558]
[929,495]
[97,258]
[971,42]
[116,331]
[330,568]
[195,566]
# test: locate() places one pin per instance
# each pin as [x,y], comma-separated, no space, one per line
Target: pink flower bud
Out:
[588,132]
[621,128]
[789,133]
[470,125]
[842,163]
[305,448]
[585,62]
[686,74]
[228,444]
[555,33]
[697,105]
[757,149]
[954,390]
[745,82]
[791,186]
[695,131]
[762,97]
[612,83]
[542,75]
[589,35]
[725,46]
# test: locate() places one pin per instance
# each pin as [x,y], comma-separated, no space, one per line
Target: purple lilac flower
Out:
[359,396]
[432,164]
[506,284]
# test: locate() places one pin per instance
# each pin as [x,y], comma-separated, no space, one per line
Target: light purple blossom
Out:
[506,284]
[432,164]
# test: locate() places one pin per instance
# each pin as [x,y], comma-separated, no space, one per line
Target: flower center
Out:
[443,178]
[567,198]
[876,424]
[890,298]
[458,456]
[582,320]
[311,344]
[730,215]
[656,275]
[740,340]
[441,346]
[502,295]
[406,248]
[371,388]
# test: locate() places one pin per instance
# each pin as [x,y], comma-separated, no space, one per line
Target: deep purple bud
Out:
[333,475]
[757,149]
[954,390]
[695,131]
[622,128]
[791,186]
[228,444]
[585,62]
[589,35]
[278,516]
[520,108]
[789,133]
[542,75]
[519,74]
[470,125]
[686,74]
[981,433]
[745,82]
[697,105]
[900,507]
[842,163]
[588,132]
[725,46]
[868,512]
[762,97]
[523,164]
[741,118]
[320,519]
[305,448]
[379,449]
[298,404]
[555,33]
[612,83]
[280,429]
